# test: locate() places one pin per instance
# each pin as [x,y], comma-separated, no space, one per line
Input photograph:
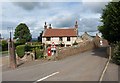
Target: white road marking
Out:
[103,73]
[106,66]
[47,76]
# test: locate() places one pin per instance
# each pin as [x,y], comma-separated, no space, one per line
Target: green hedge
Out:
[28,48]
[34,43]
[18,43]
[38,53]
[116,56]
[37,49]
[4,45]
[20,50]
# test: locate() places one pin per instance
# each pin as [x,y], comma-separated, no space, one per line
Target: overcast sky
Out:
[59,14]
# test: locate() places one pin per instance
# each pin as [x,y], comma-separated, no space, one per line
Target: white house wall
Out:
[56,40]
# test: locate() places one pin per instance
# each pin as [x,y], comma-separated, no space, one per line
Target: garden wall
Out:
[76,49]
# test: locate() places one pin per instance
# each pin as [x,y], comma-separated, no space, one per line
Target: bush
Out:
[116,56]
[4,45]
[28,48]
[20,50]
[34,43]
[22,41]
[37,46]
[18,43]
[38,53]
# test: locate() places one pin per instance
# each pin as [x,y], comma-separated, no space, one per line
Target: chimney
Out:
[50,26]
[76,24]
[76,27]
[45,26]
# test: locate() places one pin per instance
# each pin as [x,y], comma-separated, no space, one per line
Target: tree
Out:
[111,22]
[40,37]
[22,33]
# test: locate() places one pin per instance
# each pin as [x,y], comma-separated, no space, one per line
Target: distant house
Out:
[86,37]
[65,36]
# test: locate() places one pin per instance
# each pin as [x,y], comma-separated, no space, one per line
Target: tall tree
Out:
[111,22]
[22,33]
[40,37]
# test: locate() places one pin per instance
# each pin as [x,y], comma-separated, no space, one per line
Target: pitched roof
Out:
[72,32]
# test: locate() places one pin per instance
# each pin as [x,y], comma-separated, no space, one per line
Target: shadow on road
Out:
[101,52]
[20,64]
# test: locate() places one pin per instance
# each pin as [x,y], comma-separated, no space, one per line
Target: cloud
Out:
[31,5]
[88,22]
[63,19]
[94,6]
[60,15]
[89,25]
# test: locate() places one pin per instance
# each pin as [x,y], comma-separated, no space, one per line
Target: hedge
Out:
[4,45]
[20,50]
[116,55]
[37,49]
[38,53]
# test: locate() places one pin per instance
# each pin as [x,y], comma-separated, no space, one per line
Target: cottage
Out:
[86,37]
[65,36]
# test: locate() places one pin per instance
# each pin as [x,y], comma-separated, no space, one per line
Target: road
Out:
[86,66]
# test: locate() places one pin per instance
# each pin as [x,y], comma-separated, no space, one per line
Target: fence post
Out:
[110,52]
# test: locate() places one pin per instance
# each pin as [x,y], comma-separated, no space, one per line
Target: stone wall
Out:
[76,49]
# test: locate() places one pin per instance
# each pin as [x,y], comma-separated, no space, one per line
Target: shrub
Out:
[4,45]
[18,43]
[20,50]
[34,43]
[116,56]
[28,48]
[22,41]
[38,53]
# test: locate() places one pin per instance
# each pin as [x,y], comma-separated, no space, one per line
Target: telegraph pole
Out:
[12,56]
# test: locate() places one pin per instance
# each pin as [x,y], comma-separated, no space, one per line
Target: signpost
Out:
[12,56]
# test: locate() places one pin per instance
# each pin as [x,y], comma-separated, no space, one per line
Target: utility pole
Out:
[12,57]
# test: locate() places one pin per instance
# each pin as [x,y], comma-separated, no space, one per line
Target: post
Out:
[12,57]
[110,52]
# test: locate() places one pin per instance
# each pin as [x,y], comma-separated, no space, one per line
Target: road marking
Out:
[106,66]
[47,76]
[103,73]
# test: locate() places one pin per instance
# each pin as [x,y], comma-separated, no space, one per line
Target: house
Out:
[100,41]
[86,37]
[65,36]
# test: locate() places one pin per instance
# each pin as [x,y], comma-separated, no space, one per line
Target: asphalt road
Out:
[86,66]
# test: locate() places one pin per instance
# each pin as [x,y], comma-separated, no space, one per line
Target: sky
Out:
[58,14]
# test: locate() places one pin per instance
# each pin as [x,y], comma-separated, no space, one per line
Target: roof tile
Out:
[60,32]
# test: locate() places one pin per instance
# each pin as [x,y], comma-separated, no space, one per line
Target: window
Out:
[68,38]
[60,39]
[48,38]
